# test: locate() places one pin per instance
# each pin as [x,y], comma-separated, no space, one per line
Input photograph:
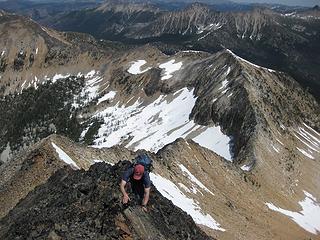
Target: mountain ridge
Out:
[260,35]
[235,144]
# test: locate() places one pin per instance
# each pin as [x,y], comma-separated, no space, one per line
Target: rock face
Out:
[85,205]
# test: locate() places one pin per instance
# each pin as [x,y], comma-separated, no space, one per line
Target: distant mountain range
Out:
[284,40]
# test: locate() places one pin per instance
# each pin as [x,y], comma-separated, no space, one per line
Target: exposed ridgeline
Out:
[285,42]
[85,205]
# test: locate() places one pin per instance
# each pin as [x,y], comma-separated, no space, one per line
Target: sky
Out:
[309,3]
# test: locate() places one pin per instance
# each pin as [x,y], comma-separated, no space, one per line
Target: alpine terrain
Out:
[224,103]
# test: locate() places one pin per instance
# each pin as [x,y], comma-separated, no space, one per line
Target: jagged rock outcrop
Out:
[86,205]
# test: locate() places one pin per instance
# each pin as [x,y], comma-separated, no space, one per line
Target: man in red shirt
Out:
[138,178]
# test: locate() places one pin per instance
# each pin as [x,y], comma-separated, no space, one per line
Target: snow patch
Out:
[59,76]
[305,153]
[108,96]
[213,139]
[37,51]
[6,154]
[308,218]
[224,91]
[99,161]
[276,149]
[192,51]
[3,52]
[279,142]
[64,157]
[224,84]
[169,68]
[194,179]
[310,138]
[246,168]
[170,191]
[204,36]
[22,86]
[282,127]
[136,67]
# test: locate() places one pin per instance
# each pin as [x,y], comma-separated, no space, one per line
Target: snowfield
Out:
[170,191]
[169,68]
[161,122]
[136,67]
[308,218]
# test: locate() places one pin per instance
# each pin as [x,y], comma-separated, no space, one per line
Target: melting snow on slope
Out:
[224,84]
[275,149]
[310,138]
[246,168]
[170,191]
[108,96]
[169,68]
[64,157]
[59,76]
[90,90]
[159,123]
[100,161]
[308,218]
[136,67]
[193,178]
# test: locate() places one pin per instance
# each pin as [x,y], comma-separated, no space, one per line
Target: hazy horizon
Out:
[306,3]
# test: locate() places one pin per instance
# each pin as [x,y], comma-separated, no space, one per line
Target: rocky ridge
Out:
[87,207]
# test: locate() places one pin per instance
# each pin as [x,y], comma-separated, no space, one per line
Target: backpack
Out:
[145,161]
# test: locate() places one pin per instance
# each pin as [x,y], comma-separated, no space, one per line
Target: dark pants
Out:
[137,188]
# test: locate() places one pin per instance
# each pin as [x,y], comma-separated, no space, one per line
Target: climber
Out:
[137,178]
